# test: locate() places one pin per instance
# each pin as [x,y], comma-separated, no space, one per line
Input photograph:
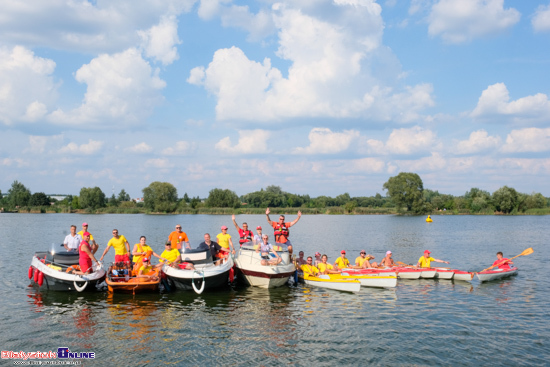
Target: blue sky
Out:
[319,97]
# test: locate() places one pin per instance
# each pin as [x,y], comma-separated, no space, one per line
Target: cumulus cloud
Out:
[494,103]
[27,87]
[122,91]
[250,142]
[435,162]
[479,141]
[527,140]
[541,19]
[90,148]
[140,148]
[407,141]
[161,163]
[181,148]
[159,41]
[458,21]
[257,25]
[324,141]
[328,76]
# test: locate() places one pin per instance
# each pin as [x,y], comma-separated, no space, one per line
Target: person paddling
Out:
[501,262]
[426,259]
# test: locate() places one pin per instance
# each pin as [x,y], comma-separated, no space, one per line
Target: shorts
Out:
[265,257]
[85,265]
[288,243]
[122,258]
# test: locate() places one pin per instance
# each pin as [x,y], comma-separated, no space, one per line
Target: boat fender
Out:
[78,288]
[295,276]
[30,272]
[40,278]
[231,275]
[36,271]
[198,291]
[72,267]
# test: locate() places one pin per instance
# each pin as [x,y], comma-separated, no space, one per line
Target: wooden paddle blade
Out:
[526,252]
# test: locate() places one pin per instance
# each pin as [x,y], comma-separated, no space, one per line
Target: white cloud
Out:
[181,148]
[27,87]
[140,148]
[541,19]
[426,164]
[324,141]
[161,163]
[122,91]
[479,141]
[208,9]
[159,41]
[257,25]
[528,140]
[495,103]
[407,141]
[90,148]
[250,142]
[458,21]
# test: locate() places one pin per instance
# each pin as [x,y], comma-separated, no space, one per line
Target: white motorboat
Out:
[250,269]
[329,282]
[206,275]
[487,276]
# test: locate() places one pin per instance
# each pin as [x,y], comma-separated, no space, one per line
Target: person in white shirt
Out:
[72,240]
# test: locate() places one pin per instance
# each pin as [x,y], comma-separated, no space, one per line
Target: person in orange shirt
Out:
[281,229]
[178,237]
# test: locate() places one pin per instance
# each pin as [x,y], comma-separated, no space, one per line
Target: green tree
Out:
[195,202]
[535,201]
[218,198]
[18,194]
[123,196]
[75,203]
[92,198]
[505,199]
[39,199]
[186,198]
[160,196]
[274,189]
[405,190]
[113,200]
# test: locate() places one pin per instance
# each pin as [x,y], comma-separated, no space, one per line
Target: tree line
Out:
[405,194]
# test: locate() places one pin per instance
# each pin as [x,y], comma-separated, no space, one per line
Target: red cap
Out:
[224,227]
[427,252]
[85,234]
[259,227]
[343,251]
[84,224]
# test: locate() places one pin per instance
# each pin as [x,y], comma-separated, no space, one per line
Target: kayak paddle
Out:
[525,252]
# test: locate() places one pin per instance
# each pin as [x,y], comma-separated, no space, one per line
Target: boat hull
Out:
[250,270]
[443,273]
[464,276]
[428,273]
[134,284]
[373,271]
[374,281]
[60,280]
[343,285]
[408,273]
[490,275]
[214,276]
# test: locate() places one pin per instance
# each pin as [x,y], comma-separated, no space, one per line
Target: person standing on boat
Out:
[326,268]
[281,229]
[342,262]
[85,256]
[309,269]
[141,249]
[170,255]
[178,237]
[245,234]
[265,248]
[93,244]
[72,241]
[387,261]
[224,240]
[425,260]
[501,262]
[213,246]
[121,246]
[258,236]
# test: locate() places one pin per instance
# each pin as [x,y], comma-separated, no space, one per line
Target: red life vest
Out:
[246,236]
[280,229]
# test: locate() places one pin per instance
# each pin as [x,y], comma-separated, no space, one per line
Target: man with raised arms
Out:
[245,235]
[281,229]
[426,259]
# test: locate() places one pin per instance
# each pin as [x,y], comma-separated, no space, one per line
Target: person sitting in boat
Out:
[387,261]
[214,248]
[309,269]
[265,248]
[281,228]
[93,244]
[317,260]
[326,268]
[245,235]
[224,240]
[178,237]
[86,256]
[363,261]
[172,256]
[300,260]
[146,271]
[73,240]
[341,262]
[501,262]
[141,249]
[425,260]
[121,246]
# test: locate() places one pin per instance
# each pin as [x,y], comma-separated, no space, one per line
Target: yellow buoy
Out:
[429,220]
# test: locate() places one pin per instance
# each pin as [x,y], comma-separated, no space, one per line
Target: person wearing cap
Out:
[426,259]
[85,256]
[258,236]
[214,248]
[178,237]
[265,248]
[121,246]
[342,262]
[245,234]
[387,261]
[94,246]
[326,268]
[308,269]
[362,261]
[317,260]
[170,255]
[281,229]
[146,270]
[73,240]
[224,240]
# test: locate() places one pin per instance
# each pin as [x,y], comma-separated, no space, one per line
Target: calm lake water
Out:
[419,323]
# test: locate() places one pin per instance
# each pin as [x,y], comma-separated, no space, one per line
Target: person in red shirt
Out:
[281,229]
[245,234]
[501,262]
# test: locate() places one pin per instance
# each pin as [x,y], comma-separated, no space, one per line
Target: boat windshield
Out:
[57,248]
[252,246]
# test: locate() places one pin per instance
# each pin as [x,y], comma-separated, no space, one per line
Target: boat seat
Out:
[197,256]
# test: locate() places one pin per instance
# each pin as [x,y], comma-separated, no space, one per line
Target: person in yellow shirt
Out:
[141,249]
[121,246]
[93,244]
[326,268]
[224,240]
[426,259]
[146,271]
[363,261]
[172,256]
[342,262]
[309,269]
